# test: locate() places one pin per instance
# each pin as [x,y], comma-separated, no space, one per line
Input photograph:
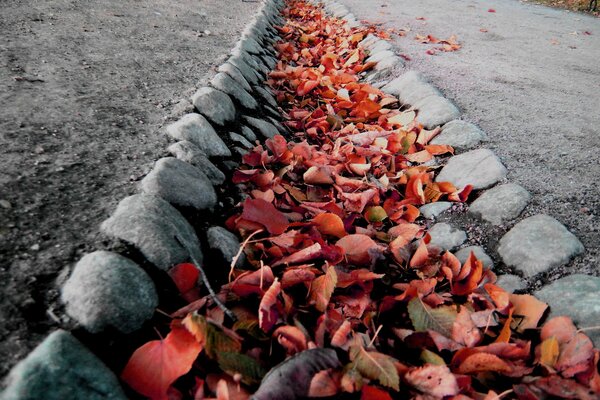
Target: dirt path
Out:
[529,76]
[84,89]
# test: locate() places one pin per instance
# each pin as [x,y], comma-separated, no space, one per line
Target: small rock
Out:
[464,253]
[250,45]
[266,129]
[156,228]
[278,125]
[501,203]
[446,236]
[459,134]
[214,105]
[511,283]
[266,96]
[61,368]
[391,62]
[108,290]
[380,55]
[576,296]
[432,210]
[435,111]
[480,168]
[180,184]
[228,85]
[190,153]
[5,204]
[35,247]
[537,244]
[235,73]
[410,88]
[240,140]
[196,129]
[247,71]
[380,46]
[247,132]
[226,243]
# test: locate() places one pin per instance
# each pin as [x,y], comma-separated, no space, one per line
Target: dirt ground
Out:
[84,90]
[528,75]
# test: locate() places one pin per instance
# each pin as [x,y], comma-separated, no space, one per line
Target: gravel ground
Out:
[529,76]
[84,90]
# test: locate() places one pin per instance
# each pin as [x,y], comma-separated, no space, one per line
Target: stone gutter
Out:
[177,216]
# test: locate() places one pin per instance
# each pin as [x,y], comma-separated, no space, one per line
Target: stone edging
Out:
[108,291]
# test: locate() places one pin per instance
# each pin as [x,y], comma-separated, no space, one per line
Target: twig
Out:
[234,260]
[375,336]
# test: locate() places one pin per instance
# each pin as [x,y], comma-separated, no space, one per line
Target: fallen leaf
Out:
[258,210]
[360,249]
[433,380]
[330,224]
[424,317]
[322,288]
[376,366]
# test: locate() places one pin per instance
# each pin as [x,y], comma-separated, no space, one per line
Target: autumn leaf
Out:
[330,224]
[376,366]
[433,380]
[360,249]
[322,288]
[529,310]
[269,311]
[424,318]
[549,352]
[258,210]
[185,276]
[153,367]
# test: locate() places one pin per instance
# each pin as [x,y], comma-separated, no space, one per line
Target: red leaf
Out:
[330,224]
[269,310]
[491,10]
[258,210]
[360,249]
[185,276]
[374,393]
[156,365]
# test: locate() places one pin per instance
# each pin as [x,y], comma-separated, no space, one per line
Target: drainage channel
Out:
[288,260]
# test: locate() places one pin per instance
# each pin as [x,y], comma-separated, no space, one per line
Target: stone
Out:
[479,252]
[460,134]
[511,283]
[235,73]
[266,95]
[379,46]
[389,63]
[480,168]
[410,87]
[247,72]
[378,56]
[435,111]
[537,244]
[107,290]
[250,45]
[227,84]
[214,105]
[266,129]
[248,133]
[240,151]
[280,127]
[180,183]
[432,210]
[61,368]
[446,237]
[226,243]
[196,129]
[269,61]
[576,296]
[240,140]
[501,203]
[156,228]
[190,153]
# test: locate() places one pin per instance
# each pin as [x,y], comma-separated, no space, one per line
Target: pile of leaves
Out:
[343,295]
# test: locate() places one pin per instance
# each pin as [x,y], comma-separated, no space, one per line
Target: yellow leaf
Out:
[549,352]
[403,119]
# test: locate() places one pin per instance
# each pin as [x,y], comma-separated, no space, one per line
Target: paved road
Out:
[529,76]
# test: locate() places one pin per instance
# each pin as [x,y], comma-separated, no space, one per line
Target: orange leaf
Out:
[482,362]
[291,338]
[330,224]
[269,310]
[529,309]
[153,367]
[318,176]
[305,87]
[360,249]
[549,352]
[322,288]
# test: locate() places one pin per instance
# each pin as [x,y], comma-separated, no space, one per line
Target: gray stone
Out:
[435,111]
[266,129]
[480,168]
[180,184]
[432,210]
[501,203]
[156,228]
[214,105]
[511,283]
[247,72]
[389,63]
[266,96]
[226,243]
[269,61]
[380,45]
[190,153]
[240,150]
[537,244]
[446,236]
[380,55]
[108,290]
[410,88]
[196,129]
[282,129]
[250,45]
[240,140]
[61,368]
[248,133]
[460,134]
[227,84]
[479,252]
[251,60]
[235,73]
[369,41]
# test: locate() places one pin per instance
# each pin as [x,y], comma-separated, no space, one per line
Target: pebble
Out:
[214,105]
[235,73]
[480,168]
[247,71]
[107,290]
[479,252]
[5,204]
[196,129]
[577,296]
[248,133]
[380,55]
[180,183]
[432,210]
[156,228]
[537,244]
[190,153]
[35,247]
[266,129]
[410,88]
[446,237]
[511,283]
[226,243]
[460,135]
[266,95]
[240,140]
[435,111]
[228,85]
[501,203]
[61,368]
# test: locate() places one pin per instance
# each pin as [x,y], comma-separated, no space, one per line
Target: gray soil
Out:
[532,83]
[84,90]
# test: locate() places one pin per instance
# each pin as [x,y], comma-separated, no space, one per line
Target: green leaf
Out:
[375,214]
[214,337]
[424,317]
[376,366]
[251,327]
[429,357]
[252,372]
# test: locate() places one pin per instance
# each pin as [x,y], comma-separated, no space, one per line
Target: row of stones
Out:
[107,291]
[533,245]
